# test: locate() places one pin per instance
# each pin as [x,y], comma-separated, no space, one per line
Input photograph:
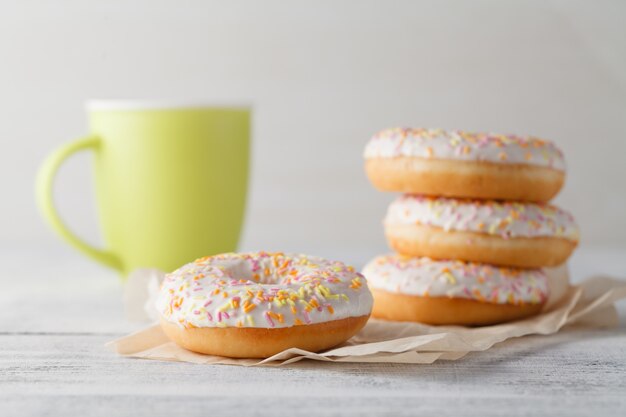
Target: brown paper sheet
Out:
[591,302]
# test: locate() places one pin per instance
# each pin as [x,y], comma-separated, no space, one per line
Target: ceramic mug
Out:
[170,182]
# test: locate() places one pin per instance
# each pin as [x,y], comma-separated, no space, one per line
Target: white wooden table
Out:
[57,311]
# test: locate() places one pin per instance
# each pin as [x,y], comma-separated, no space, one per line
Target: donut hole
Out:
[282,276]
[271,271]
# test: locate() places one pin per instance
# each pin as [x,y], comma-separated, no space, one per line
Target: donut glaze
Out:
[262,290]
[498,233]
[464,146]
[464,165]
[453,292]
[456,279]
[504,219]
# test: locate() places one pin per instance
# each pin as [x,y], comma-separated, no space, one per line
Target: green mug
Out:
[170,182]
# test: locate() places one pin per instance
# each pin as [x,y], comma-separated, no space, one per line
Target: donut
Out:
[254,305]
[524,235]
[465,165]
[453,292]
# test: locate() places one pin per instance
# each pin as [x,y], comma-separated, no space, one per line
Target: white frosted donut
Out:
[462,164]
[259,304]
[453,292]
[502,233]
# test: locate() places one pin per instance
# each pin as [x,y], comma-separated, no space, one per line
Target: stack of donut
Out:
[473,229]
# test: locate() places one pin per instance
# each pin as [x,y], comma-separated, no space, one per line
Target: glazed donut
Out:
[465,165]
[501,233]
[254,305]
[453,292]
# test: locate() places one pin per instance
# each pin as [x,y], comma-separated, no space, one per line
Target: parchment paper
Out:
[591,302]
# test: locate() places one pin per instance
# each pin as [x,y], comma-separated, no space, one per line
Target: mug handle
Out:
[45,200]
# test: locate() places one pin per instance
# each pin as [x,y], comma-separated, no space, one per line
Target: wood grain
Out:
[53,362]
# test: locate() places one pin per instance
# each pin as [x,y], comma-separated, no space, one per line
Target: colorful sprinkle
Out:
[456,279]
[262,290]
[461,145]
[507,219]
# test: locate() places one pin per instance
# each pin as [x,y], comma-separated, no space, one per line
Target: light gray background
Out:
[323,76]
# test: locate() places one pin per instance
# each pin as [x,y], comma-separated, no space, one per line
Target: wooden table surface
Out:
[57,311]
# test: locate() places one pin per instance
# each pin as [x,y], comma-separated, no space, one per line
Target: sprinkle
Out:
[356,284]
[313,303]
[461,145]
[291,280]
[276,316]
[451,279]
[307,318]
[457,279]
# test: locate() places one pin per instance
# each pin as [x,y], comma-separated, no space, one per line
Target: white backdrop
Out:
[323,76]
